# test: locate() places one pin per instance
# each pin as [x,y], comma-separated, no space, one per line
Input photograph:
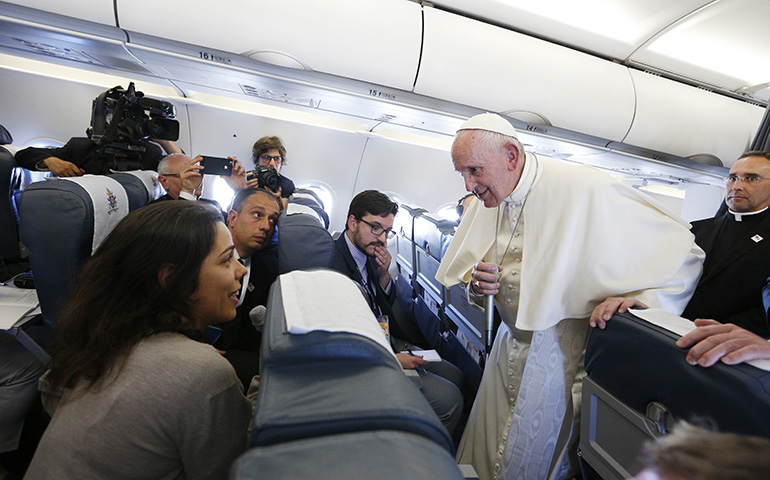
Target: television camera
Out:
[122,120]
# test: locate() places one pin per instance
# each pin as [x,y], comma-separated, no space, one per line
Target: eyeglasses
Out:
[377,230]
[169,175]
[747,179]
[268,158]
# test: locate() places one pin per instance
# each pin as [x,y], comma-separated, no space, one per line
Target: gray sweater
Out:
[175,411]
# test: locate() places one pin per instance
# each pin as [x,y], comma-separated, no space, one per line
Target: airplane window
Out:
[221,192]
[448,212]
[395,197]
[44,142]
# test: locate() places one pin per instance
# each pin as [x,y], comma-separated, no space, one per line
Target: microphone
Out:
[489,310]
[257,315]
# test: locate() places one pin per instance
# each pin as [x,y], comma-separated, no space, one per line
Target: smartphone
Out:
[216,166]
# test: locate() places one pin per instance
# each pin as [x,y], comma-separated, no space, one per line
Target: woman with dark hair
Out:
[270,152]
[142,398]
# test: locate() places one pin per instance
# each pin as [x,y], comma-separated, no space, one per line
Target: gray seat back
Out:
[373,455]
[9,229]
[305,243]
[56,225]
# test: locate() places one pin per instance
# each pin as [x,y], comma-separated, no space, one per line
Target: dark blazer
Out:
[401,320]
[239,339]
[730,288]
[78,150]
[342,261]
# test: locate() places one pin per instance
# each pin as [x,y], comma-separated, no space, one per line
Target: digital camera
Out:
[267,178]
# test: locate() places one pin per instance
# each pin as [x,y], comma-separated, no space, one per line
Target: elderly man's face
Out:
[748,196]
[490,175]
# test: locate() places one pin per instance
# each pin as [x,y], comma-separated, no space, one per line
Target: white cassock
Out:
[580,236]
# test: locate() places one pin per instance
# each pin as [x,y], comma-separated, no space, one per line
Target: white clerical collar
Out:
[739,215]
[527,180]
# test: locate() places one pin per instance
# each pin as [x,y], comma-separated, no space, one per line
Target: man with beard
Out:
[361,253]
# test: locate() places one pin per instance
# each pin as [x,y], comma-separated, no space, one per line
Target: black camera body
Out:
[126,118]
[121,124]
[266,177]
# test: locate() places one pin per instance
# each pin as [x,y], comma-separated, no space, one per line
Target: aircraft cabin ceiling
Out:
[655,81]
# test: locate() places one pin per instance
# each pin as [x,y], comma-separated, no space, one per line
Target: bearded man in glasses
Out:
[737,246]
[361,253]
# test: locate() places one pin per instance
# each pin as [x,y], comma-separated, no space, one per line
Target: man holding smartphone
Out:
[182,176]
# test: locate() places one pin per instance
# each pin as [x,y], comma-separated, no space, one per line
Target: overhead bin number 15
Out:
[380,94]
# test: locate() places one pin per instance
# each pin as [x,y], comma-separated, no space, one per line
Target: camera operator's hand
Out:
[191,176]
[237,179]
[63,168]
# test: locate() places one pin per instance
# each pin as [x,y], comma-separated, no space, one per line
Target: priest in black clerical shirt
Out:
[737,246]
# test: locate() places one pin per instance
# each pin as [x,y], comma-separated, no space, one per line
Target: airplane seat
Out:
[307,197]
[638,385]
[62,221]
[404,225]
[373,455]
[337,377]
[429,293]
[305,241]
[142,187]
[9,228]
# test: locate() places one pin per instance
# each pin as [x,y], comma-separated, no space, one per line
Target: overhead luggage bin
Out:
[379,44]
[734,59]
[676,118]
[488,67]
[613,30]
[63,39]
[99,11]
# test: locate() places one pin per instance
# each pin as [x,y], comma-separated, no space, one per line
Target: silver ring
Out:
[477,284]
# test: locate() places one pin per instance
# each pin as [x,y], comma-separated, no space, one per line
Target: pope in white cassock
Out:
[550,241]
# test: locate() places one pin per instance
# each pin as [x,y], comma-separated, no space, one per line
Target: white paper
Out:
[429,355]
[15,303]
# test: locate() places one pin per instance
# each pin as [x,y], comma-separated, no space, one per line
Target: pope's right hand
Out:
[485,278]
